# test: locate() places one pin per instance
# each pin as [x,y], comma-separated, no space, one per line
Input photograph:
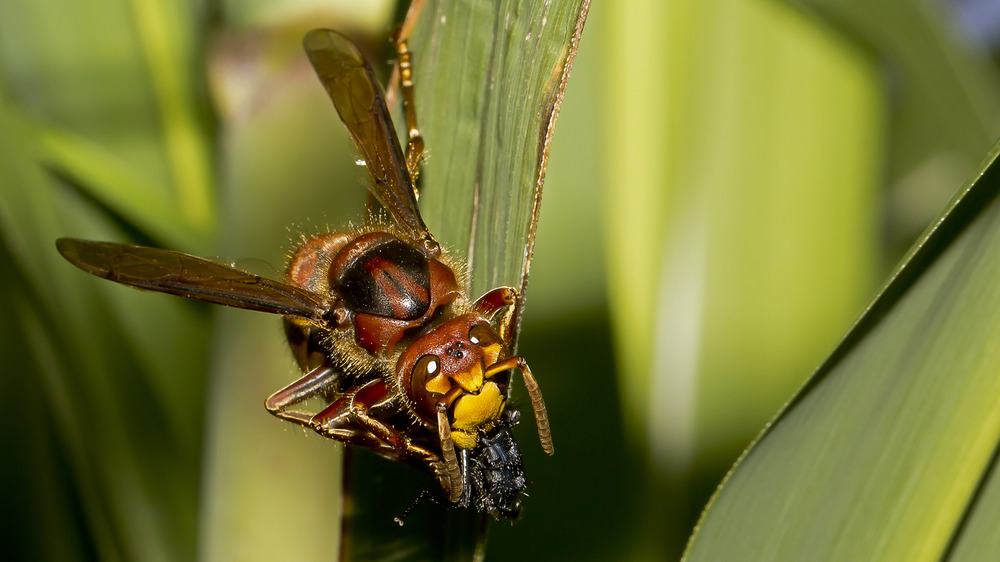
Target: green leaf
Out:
[488,78]
[123,190]
[889,450]
[742,176]
[169,36]
[120,395]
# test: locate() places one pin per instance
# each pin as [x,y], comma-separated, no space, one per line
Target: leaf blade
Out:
[907,409]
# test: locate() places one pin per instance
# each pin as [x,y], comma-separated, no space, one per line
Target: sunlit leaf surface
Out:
[730,200]
[888,452]
[487,76]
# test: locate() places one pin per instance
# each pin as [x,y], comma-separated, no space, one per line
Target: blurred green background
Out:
[729,182]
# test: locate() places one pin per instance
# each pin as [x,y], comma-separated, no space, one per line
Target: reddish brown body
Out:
[385,285]
[376,317]
[429,358]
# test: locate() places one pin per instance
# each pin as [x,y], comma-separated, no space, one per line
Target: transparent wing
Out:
[360,102]
[188,276]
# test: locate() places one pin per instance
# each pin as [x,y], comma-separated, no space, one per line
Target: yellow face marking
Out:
[471,380]
[491,353]
[473,410]
[463,439]
[438,385]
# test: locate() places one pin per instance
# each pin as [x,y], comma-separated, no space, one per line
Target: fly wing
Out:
[188,276]
[360,102]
